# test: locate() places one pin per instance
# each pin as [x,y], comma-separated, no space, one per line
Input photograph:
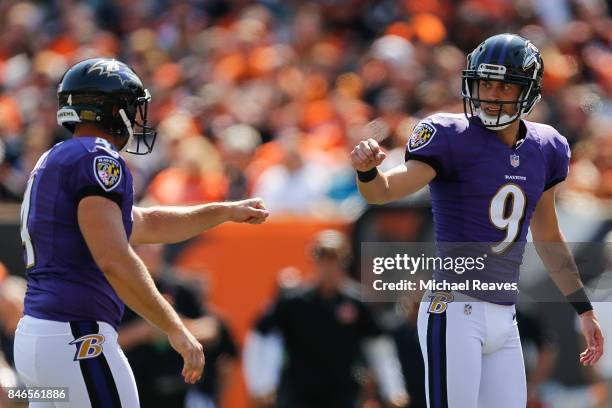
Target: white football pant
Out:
[82,356]
[472,353]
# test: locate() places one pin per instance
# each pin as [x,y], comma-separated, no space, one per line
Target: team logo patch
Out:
[439,302]
[515,160]
[421,135]
[89,346]
[107,171]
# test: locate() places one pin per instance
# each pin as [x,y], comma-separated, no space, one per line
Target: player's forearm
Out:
[175,224]
[398,182]
[375,191]
[129,278]
[560,264]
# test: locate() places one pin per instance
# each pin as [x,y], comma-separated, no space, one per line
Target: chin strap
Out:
[128,126]
[490,121]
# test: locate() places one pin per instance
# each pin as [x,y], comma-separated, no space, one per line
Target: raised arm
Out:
[101,224]
[559,261]
[164,225]
[380,188]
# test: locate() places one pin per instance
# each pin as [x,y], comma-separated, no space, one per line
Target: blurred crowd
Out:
[268,97]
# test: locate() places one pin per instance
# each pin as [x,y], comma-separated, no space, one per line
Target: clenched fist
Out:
[252,211]
[367,155]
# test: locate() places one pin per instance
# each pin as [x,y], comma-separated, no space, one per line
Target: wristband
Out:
[367,176]
[579,301]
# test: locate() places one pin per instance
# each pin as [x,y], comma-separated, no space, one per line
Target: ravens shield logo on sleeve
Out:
[107,171]
[421,135]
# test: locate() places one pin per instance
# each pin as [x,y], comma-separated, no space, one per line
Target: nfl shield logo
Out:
[467,309]
[515,160]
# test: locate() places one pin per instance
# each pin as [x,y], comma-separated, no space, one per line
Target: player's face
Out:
[498,91]
[329,266]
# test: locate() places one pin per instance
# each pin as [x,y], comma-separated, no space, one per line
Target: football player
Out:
[491,175]
[78,225]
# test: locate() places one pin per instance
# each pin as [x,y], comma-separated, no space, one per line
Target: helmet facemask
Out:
[139,142]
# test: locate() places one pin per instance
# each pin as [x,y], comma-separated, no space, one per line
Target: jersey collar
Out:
[521,136]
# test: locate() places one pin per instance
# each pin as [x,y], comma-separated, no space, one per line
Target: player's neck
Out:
[88,130]
[509,134]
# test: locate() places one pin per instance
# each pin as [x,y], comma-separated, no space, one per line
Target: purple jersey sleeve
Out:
[100,173]
[428,143]
[557,154]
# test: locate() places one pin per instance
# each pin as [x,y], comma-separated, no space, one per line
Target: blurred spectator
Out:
[538,352]
[238,145]
[8,378]
[12,293]
[221,353]
[402,325]
[295,185]
[603,292]
[195,178]
[6,192]
[318,71]
[323,327]
[156,366]
[591,175]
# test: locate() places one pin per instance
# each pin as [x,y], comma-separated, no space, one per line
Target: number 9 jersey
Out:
[485,191]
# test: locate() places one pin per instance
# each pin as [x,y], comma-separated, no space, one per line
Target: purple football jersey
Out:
[485,192]
[64,282]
